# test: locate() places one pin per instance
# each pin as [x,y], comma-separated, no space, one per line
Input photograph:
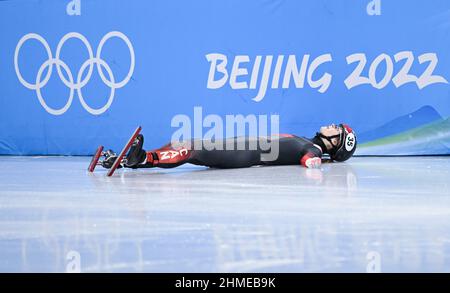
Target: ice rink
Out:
[388,214]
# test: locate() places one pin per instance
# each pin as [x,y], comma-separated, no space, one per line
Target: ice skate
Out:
[110,158]
[136,155]
[112,161]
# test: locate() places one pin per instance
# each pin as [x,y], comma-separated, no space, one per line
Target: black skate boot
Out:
[110,158]
[136,155]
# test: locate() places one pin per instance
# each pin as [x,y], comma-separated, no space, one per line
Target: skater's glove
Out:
[311,161]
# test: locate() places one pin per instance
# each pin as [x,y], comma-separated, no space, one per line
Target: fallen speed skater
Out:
[338,141]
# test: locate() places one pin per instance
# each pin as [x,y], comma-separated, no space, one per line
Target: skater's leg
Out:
[231,154]
[168,156]
[173,155]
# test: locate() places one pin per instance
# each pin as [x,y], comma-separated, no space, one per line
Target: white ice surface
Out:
[194,219]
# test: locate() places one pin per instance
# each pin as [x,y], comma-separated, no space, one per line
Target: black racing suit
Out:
[237,152]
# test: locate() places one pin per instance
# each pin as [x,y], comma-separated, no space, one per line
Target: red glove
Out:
[311,161]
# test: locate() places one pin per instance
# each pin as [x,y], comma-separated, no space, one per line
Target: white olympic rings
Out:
[79,83]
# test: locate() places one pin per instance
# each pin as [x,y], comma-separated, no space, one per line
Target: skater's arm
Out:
[312,158]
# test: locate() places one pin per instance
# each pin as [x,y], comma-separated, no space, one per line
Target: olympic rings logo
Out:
[71,83]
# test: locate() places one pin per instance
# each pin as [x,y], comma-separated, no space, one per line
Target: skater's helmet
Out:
[346,146]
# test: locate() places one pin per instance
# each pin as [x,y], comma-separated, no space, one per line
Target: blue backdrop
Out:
[388,65]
